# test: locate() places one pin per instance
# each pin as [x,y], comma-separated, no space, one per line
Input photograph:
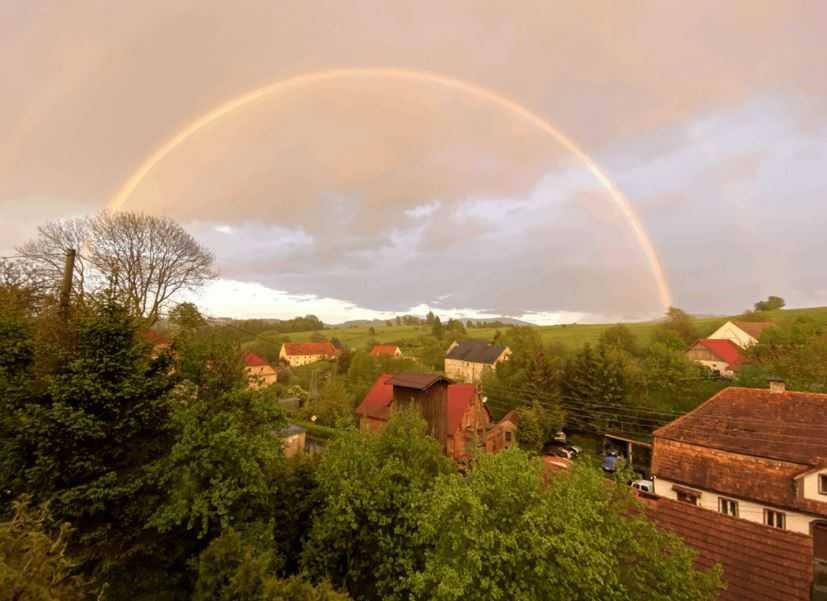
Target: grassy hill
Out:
[572,336]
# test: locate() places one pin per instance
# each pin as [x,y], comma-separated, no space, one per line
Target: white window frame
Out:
[779,519]
[822,484]
[725,504]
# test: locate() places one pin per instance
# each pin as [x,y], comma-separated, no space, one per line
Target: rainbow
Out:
[499,100]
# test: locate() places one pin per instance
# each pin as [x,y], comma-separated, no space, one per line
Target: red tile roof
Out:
[377,401]
[753,328]
[759,562]
[460,398]
[309,348]
[253,360]
[724,349]
[786,426]
[383,349]
[767,481]
[156,339]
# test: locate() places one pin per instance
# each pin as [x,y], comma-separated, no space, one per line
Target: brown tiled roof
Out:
[476,351]
[417,381]
[759,563]
[754,328]
[786,426]
[309,348]
[766,481]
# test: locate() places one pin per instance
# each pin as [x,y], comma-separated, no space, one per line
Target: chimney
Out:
[777,386]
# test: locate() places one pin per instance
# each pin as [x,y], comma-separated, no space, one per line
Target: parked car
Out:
[574,449]
[610,460]
[558,451]
[646,486]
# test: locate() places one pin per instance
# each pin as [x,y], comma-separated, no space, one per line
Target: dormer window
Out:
[822,484]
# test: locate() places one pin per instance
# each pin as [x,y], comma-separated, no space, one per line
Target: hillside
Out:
[572,336]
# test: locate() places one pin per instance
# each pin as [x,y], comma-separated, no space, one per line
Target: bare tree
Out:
[147,259]
[46,254]
[143,258]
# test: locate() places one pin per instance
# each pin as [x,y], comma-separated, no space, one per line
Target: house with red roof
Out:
[758,455]
[455,414]
[743,333]
[260,374]
[721,357]
[386,350]
[158,341]
[296,354]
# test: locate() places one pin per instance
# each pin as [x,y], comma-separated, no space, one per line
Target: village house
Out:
[260,374]
[468,360]
[759,455]
[296,354]
[720,356]
[743,333]
[455,414]
[158,341]
[386,350]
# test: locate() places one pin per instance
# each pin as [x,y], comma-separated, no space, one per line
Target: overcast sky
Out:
[361,197]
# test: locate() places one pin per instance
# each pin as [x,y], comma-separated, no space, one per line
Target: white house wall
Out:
[747,510]
[729,331]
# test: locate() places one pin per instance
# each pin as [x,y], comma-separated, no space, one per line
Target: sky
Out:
[360,197]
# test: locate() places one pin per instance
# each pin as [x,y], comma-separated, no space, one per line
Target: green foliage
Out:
[210,360]
[370,484]
[795,351]
[335,403]
[233,569]
[34,564]
[225,461]
[437,331]
[100,419]
[677,331]
[620,337]
[773,303]
[186,316]
[537,425]
[503,532]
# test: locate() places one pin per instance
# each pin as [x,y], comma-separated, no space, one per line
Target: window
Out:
[728,506]
[686,497]
[822,484]
[507,436]
[773,518]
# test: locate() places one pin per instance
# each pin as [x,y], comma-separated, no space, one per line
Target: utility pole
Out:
[66,286]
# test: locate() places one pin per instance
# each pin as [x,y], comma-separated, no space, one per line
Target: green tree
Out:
[370,485]
[773,303]
[506,531]
[677,330]
[210,360]
[34,562]
[537,425]
[437,330]
[234,569]
[621,337]
[186,316]
[93,425]
[224,465]
[334,404]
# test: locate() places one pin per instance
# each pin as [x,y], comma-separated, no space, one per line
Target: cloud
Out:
[395,193]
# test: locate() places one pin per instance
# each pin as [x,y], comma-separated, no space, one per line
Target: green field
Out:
[572,336]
